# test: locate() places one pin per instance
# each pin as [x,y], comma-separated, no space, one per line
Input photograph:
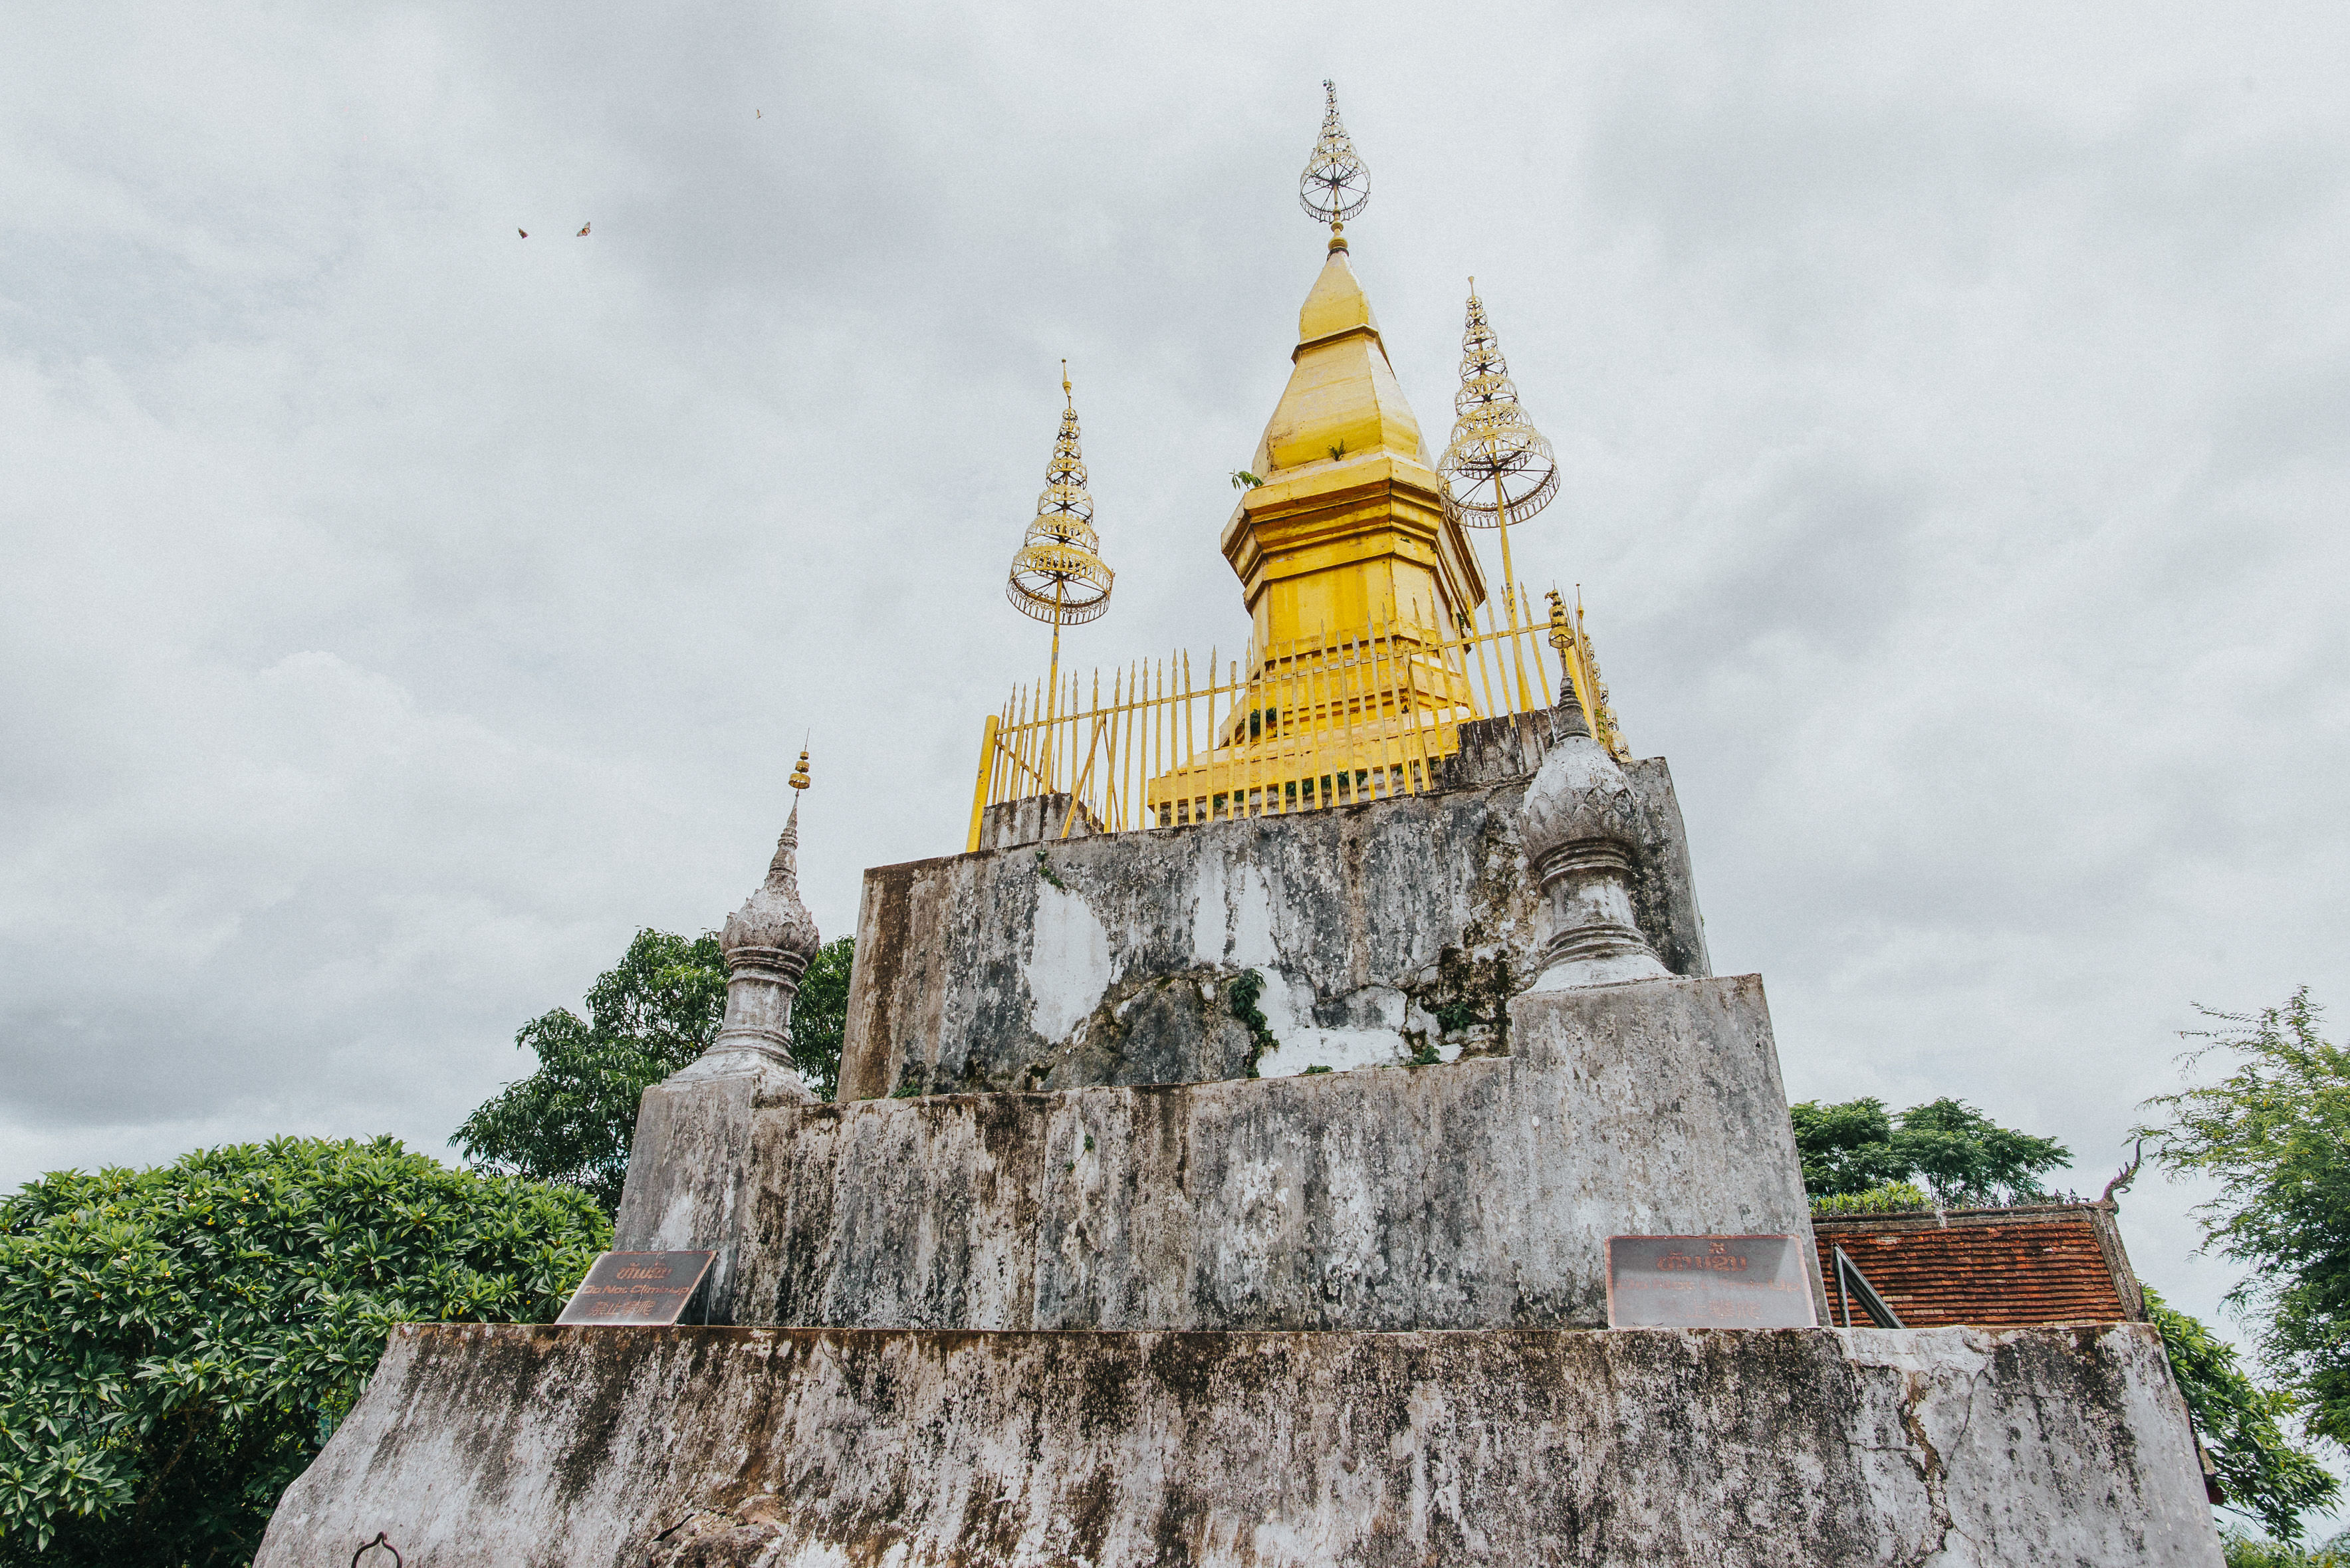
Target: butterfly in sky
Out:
[524,233]
[583,232]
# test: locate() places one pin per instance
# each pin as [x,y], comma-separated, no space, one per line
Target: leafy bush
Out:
[1893,1198]
[2242,1549]
[177,1342]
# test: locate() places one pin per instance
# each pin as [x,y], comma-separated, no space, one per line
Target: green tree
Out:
[820,1016]
[176,1343]
[2274,1133]
[572,1121]
[1961,1158]
[2264,1475]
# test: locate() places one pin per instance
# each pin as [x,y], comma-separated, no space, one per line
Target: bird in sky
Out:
[583,232]
[524,233]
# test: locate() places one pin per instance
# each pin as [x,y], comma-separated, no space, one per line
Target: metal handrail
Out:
[1297,725]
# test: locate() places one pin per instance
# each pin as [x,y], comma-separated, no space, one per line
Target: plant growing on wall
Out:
[1242,996]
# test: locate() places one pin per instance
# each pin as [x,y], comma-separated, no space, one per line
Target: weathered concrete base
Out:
[539,1447]
[695,1128]
[1372,930]
[1470,1194]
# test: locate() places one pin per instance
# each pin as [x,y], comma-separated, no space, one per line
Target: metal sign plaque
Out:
[1709,1282]
[638,1288]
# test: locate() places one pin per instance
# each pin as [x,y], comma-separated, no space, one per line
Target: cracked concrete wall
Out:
[1472,1194]
[540,1448]
[1378,933]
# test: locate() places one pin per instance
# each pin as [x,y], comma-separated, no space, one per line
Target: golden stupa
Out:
[1365,655]
[1356,572]
[1349,527]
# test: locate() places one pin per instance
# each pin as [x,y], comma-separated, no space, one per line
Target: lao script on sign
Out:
[638,1288]
[1709,1282]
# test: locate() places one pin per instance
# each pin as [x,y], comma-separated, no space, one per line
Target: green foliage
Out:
[2264,1475]
[820,1016]
[572,1121]
[176,1343]
[2242,1549]
[1893,1198]
[1243,480]
[1453,1017]
[1240,996]
[1961,1158]
[1845,1148]
[2275,1134]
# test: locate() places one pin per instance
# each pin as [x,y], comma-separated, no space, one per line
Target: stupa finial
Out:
[1581,694]
[767,943]
[1335,184]
[1499,469]
[1058,574]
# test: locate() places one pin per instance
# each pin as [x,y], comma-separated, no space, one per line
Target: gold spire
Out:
[1058,574]
[1335,184]
[800,774]
[1498,469]
[1584,686]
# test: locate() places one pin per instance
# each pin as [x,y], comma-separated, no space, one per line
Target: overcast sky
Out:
[397,613]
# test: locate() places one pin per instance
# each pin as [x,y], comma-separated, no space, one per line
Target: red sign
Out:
[638,1288]
[1709,1282]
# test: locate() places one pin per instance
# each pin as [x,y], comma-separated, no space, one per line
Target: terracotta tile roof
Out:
[2002,1267]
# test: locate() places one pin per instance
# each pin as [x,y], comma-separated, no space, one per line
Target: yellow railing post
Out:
[979,790]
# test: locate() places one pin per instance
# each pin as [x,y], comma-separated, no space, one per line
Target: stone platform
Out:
[1470,1194]
[611,1448]
[1371,930]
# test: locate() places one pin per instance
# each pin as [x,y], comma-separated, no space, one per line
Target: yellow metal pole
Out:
[1484,673]
[1052,680]
[979,791]
[1534,646]
[1214,679]
[1325,782]
[1381,694]
[1189,744]
[1510,592]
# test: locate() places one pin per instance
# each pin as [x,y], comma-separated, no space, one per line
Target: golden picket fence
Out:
[1293,726]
